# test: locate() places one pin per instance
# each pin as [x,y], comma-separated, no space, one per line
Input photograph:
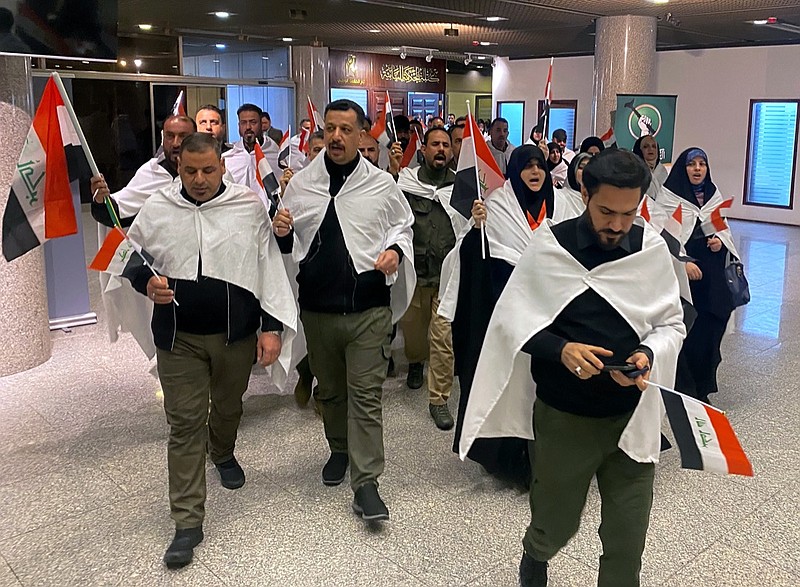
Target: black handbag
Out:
[737,282]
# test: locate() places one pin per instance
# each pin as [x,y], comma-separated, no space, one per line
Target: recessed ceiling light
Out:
[395,48]
[123,63]
[374,30]
[216,60]
[287,39]
[145,27]
[221,14]
[85,62]
[659,1]
[481,57]
[495,18]
[220,45]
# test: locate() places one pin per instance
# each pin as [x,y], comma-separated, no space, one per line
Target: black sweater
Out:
[207,306]
[328,281]
[588,319]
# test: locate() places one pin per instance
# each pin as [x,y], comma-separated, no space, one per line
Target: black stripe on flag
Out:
[18,236]
[77,164]
[135,262]
[465,192]
[674,246]
[682,429]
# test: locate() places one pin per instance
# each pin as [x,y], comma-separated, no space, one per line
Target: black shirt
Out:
[328,281]
[588,319]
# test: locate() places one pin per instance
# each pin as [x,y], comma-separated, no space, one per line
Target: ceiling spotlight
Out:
[221,14]
[137,62]
[123,63]
[467,59]
[145,27]
[220,45]
[287,39]
[429,57]
[403,54]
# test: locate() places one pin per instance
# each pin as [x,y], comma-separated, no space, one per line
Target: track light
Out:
[429,57]
[468,59]
[403,54]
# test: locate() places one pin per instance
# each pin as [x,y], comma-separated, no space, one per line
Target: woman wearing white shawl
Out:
[689,184]
[646,147]
[570,192]
[512,212]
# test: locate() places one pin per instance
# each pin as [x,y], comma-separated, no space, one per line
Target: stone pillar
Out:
[624,63]
[24,326]
[311,74]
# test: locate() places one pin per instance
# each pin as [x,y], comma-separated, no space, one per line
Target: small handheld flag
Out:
[383,130]
[177,107]
[410,154]
[266,179]
[285,151]
[705,437]
[314,116]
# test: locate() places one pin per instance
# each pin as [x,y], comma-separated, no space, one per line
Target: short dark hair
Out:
[498,120]
[454,127]
[181,118]
[560,134]
[535,129]
[401,123]
[265,114]
[200,142]
[618,168]
[247,107]
[210,107]
[367,123]
[317,135]
[302,120]
[343,106]
[432,130]
[461,120]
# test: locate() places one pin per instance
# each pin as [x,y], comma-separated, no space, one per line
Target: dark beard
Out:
[598,235]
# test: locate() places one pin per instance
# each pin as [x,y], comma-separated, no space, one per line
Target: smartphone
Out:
[622,367]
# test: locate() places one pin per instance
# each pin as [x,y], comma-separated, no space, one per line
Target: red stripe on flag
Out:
[678,214]
[716,216]
[259,157]
[645,213]
[738,463]
[108,249]
[411,150]
[59,212]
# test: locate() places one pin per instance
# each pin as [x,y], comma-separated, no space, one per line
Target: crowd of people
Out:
[527,299]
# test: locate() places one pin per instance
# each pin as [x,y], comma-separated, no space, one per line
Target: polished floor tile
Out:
[83,494]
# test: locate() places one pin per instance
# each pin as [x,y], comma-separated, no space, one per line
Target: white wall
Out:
[714,89]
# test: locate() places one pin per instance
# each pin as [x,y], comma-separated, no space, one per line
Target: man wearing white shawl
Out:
[240,161]
[126,311]
[589,294]
[222,278]
[436,225]
[349,227]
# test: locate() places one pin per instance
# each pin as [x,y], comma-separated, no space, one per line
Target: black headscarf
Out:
[637,150]
[529,200]
[678,180]
[573,168]
[592,142]
[554,147]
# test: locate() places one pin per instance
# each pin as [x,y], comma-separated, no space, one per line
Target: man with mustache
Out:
[348,227]
[428,189]
[240,161]
[209,119]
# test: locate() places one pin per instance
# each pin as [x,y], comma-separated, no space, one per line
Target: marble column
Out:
[24,326]
[624,63]
[311,74]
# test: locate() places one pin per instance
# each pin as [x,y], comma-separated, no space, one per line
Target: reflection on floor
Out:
[83,496]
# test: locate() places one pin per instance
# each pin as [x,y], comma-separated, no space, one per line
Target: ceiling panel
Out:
[533,27]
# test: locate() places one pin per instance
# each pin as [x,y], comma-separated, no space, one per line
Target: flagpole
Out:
[74,119]
[547,100]
[289,159]
[477,182]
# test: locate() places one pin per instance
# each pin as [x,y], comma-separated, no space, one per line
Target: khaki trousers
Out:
[428,335]
[349,355]
[568,451]
[203,379]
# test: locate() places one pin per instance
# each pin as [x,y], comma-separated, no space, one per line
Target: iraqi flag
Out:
[178,108]
[671,233]
[548,97]
[40,202]
[411,154]
[305,136]
[285,150]
[266,178]
[314,116]
[477,174]
[609,140]
[705,437]
[383,129]
[119,255]
[716,221]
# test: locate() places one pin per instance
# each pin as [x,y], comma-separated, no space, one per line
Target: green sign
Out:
[641,114]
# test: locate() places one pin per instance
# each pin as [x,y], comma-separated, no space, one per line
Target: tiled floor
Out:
[83,487]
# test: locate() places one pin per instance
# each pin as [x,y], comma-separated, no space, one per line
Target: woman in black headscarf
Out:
[690,179]
[514,211]
[592,145]
[570,192]
[646,147]
[556,164]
